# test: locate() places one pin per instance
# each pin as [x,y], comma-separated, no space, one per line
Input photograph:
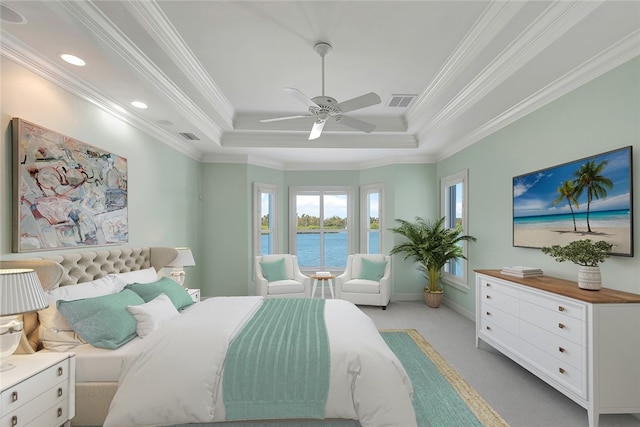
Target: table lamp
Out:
[20,292]
[184,259]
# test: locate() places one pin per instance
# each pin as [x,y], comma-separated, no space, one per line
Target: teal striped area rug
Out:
[442,398]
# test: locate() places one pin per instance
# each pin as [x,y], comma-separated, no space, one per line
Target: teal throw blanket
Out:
[278,366]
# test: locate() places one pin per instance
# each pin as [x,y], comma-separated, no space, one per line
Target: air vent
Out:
[189,136]
[400,100]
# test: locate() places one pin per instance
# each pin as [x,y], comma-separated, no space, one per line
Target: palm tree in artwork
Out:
[567,191]
[589,177]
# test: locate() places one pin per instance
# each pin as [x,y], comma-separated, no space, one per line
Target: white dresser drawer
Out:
[568,328]
[499,335]
[499,286]
[498,317]
[499,300]
[27,390]
[561,372]
[564,350]
[554,303]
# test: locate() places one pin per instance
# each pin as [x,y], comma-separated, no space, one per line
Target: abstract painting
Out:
[590,198]
[66,193]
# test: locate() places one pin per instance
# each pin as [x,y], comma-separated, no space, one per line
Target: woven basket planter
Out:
[433,299]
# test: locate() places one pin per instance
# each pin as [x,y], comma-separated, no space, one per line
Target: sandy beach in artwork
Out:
[541,236]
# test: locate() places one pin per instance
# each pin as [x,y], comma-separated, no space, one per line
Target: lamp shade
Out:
[184,259]
[20,292]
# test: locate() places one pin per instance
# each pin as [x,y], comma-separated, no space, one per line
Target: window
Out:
[371,224]
[454,209]
[265,218]
[320,220]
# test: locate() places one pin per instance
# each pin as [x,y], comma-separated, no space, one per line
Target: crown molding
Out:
[493,19]
[328,140]
[24,56]
[151,17]
[556,20]
[88,14]
[608,59]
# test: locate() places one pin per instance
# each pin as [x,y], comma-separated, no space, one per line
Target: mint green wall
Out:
[600,116]
[163,184]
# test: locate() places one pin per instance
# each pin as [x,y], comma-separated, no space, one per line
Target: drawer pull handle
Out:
[488,297]
[560,308]
[488,285]
[14,396]
[561,370]
[561,325]
[561,350]
[59,412]
[60,371]
[488,328]
[488,313]
[59,391]
[14,421]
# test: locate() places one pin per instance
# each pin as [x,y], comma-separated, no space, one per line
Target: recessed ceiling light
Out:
[139,104]
[73,60]
[11,16]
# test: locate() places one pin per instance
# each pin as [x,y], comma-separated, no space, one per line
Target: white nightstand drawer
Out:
[27,390]
[54,398]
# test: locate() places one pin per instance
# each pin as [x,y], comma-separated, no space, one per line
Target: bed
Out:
[184,370]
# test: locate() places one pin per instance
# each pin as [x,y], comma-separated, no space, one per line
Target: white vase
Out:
[589,278]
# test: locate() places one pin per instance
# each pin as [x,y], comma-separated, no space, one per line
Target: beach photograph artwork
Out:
[590,198]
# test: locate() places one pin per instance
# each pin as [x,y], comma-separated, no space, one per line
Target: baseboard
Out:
[406,297]
[459,309]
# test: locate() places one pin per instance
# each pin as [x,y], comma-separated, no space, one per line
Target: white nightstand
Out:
[195,294]
[39,390]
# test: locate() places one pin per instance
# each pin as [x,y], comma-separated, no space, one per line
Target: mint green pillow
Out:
[176,293]
[372,270]
[102,321]
[274,271]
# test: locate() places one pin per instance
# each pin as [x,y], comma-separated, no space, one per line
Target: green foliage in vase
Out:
[582,252]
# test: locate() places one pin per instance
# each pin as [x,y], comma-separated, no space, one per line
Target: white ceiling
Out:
[215,68]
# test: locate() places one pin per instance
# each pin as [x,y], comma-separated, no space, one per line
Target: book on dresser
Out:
[522,271]
[583,343]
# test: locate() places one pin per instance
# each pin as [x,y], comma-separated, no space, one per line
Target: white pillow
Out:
[151,315]
[55,333]
[147,275]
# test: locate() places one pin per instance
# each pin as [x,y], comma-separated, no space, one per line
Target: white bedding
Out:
[174,375]
[95,364]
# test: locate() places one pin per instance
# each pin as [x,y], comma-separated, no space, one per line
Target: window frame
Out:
[293,217]
[448,207]
[365,191]
[260,188]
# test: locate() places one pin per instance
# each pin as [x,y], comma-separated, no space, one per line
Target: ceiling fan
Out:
[323,107]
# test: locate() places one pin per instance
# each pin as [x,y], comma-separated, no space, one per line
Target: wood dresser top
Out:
[568,288]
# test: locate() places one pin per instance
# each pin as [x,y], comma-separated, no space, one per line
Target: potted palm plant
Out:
[588,255]
[432,246]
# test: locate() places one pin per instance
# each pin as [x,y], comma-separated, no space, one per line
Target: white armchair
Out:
[279,275]
[362,285]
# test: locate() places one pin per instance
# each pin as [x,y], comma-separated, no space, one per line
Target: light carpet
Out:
[441,396]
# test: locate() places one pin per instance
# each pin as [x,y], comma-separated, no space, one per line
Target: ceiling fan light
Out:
[316,130]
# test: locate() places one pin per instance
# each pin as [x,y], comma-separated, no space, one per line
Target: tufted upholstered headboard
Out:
[73,268]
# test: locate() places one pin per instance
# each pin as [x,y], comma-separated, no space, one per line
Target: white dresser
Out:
[586,344]
[39,391]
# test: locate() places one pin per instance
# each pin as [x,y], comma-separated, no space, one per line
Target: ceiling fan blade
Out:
[316,130]
[362,101]
[277,119]
[300,96]
[355,123]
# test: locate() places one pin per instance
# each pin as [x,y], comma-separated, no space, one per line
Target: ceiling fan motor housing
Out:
[326,105]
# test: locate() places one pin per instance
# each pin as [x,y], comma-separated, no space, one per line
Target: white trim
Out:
[461,177]
[258,189]
[365,190]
